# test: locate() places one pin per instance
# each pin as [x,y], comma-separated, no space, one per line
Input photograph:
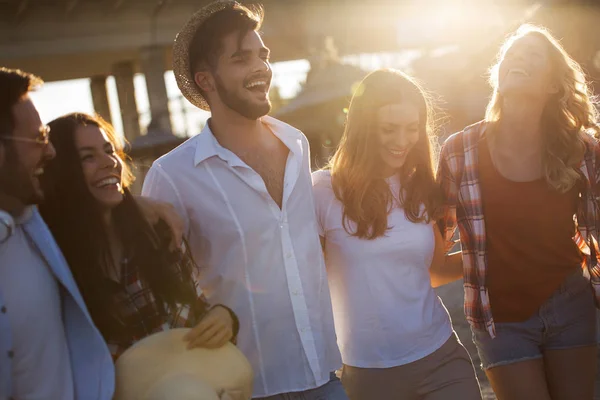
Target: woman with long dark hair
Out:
[132,283]
[376,206]
[521,186]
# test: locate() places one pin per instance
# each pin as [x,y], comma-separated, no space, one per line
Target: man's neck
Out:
[234,131]
[12,205]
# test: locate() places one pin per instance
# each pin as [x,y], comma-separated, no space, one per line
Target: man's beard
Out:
[243,107]
[16,182]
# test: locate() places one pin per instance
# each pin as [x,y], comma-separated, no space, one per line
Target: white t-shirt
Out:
[386,312]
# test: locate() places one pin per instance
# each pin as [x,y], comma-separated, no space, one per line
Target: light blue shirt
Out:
[87,354]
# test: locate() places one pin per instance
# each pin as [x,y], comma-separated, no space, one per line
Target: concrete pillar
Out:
[153,67]
[123,73]
[100,97]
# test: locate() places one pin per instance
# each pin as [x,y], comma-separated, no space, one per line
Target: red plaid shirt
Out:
[139,314]
[458,174]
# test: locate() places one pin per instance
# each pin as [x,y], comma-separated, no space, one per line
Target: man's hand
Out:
[213,331]
[156,210]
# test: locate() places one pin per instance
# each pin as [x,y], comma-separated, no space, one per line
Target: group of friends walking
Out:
[309,273]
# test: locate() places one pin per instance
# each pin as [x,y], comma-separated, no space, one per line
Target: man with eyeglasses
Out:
[49,346]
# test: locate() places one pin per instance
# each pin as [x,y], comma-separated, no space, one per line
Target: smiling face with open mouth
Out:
[102,166]
[243,75]
[397,133]
[25,157]
[525,69]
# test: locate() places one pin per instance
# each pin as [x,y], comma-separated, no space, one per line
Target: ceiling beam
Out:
[116,4]
[70,6]
[161,5]
[21,8]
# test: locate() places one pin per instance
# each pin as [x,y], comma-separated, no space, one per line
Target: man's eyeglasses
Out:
[42,139]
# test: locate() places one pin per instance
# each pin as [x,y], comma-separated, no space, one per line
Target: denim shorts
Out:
[566,320]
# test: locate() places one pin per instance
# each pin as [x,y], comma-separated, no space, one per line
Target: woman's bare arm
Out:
[444,268]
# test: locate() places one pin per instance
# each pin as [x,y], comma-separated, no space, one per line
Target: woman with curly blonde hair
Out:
[376,207]
[520,187]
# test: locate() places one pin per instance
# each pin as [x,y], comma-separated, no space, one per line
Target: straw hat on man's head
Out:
[160,367]
[195,43]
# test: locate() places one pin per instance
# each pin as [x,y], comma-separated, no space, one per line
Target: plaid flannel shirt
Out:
[458,174]
[139,313]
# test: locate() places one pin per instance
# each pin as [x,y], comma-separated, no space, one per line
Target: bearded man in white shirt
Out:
[243,189]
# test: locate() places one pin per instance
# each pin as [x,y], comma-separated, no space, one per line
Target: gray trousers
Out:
[446,374]
[332,390]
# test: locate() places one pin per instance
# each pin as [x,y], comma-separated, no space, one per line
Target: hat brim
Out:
[162,360]
[181,52]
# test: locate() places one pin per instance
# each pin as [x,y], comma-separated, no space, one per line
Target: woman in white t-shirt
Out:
[376,205]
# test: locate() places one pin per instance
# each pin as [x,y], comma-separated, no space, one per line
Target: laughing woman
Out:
[520,187]
[132,283]
[376,206]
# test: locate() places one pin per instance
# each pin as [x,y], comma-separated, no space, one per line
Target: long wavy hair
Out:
[355,167]
[567,115]
[75,219]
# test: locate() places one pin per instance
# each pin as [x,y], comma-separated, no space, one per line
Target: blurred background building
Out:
[120,50]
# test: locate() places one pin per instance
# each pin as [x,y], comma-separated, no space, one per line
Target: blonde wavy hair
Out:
[356,165]
[568,115]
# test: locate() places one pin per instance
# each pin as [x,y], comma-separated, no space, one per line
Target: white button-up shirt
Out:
[263,262]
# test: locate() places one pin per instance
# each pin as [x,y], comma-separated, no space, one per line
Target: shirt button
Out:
[3,310]
[10,354]
[302,330]
[296,292]
[288,255]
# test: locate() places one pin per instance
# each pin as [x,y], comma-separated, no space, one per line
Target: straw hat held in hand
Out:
[160,367]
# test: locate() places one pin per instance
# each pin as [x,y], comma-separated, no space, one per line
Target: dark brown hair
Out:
[75,219]
[365,195]
[14,84]
[207,43]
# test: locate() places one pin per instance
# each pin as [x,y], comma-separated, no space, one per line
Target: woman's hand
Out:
[444,268]
[213,331]
[155,210]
